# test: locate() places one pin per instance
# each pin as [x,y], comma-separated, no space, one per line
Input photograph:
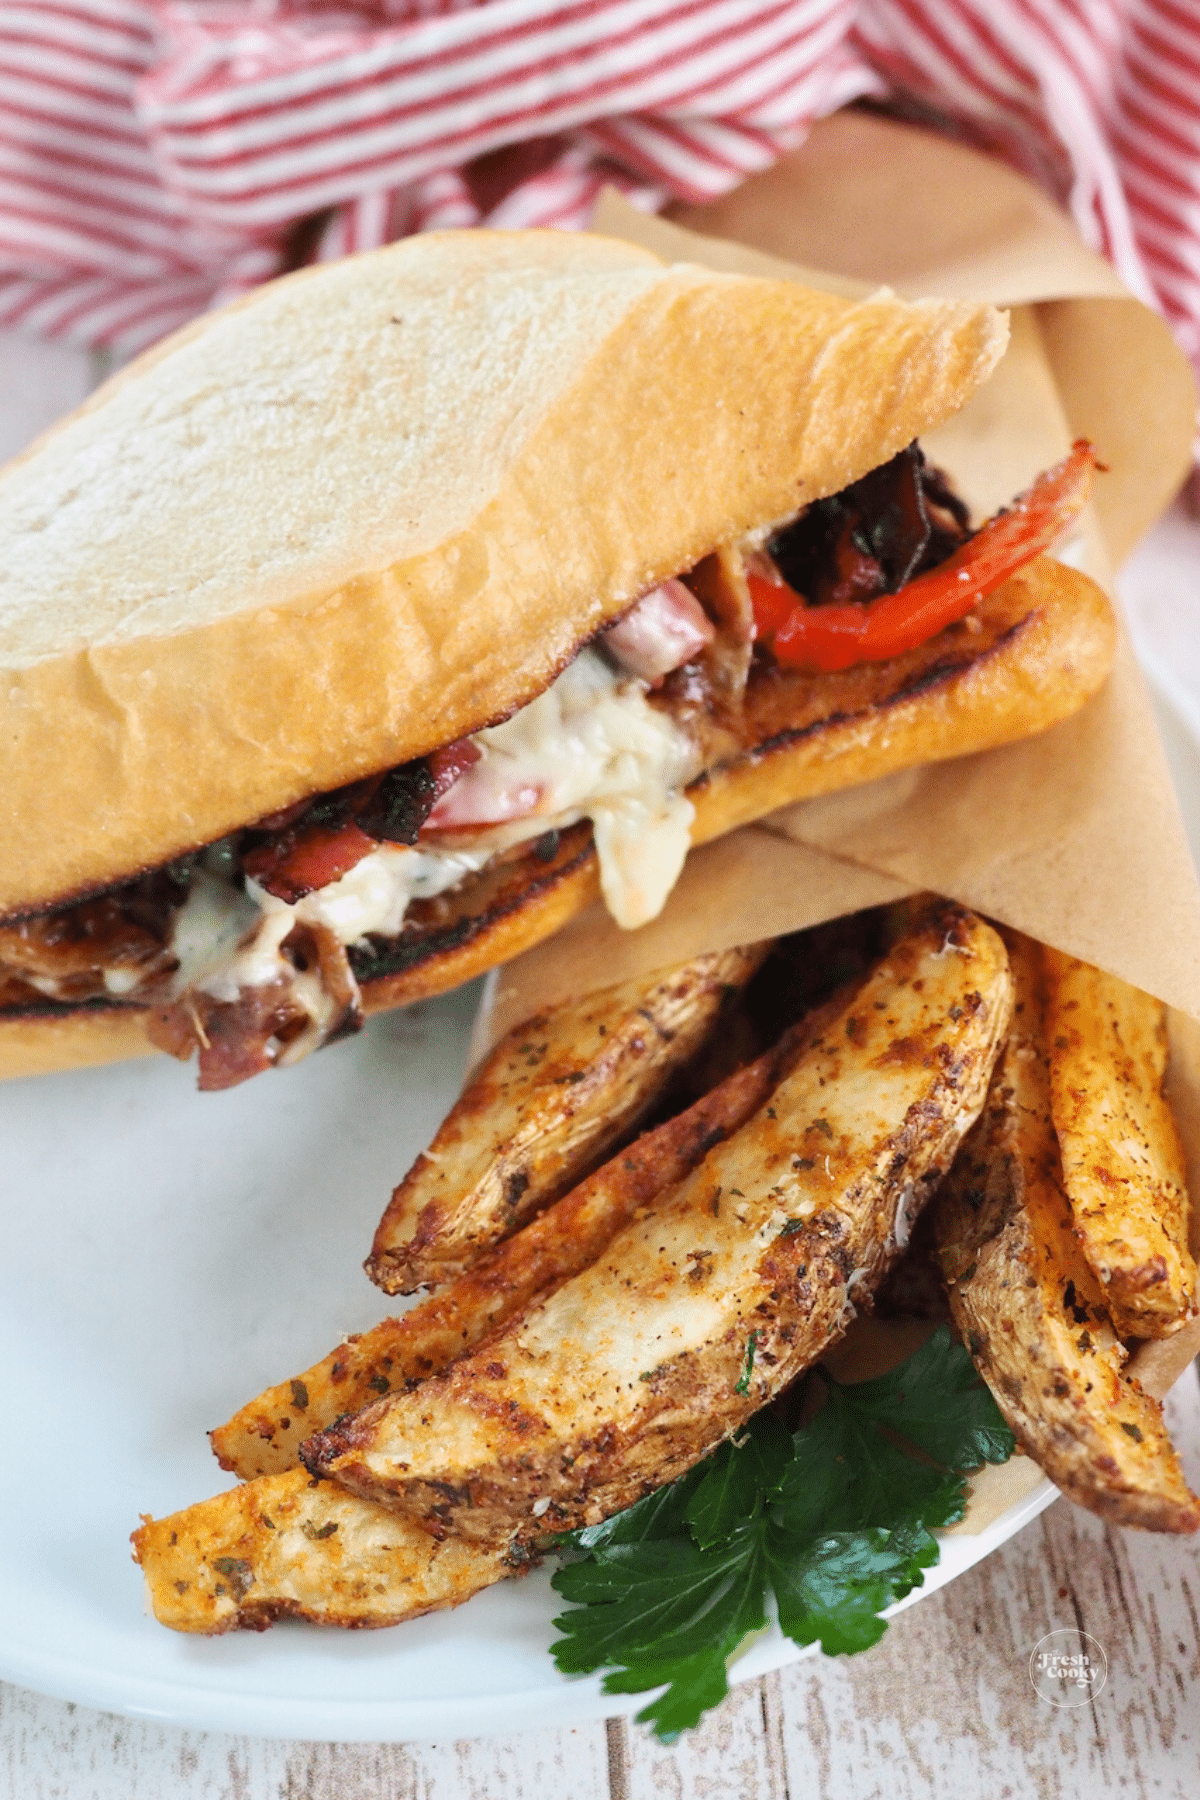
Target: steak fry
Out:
[548,1102]
[1122,1160]
[1030,1308]
[289,1547]
[697,1315]
[265,1435]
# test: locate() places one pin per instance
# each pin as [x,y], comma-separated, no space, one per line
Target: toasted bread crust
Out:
[1034,652]
[41,1040]
[245,627]
[1044,645]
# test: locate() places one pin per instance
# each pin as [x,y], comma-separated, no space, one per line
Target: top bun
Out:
[378,504]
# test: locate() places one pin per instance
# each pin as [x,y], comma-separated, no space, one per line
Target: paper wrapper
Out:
[1073,836]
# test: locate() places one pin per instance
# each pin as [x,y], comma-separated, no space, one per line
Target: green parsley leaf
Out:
[659,1515]
[937,1401]
[847,1475]
[742,1384]
[836,1521]
[738,1476]
[664,1611]
[836,1591]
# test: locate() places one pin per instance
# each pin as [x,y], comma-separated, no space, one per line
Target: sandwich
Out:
[364,632]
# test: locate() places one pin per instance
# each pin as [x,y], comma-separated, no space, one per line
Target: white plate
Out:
[167,1255]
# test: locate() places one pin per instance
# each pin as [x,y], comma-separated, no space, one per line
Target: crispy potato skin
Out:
[289,1547]
[697,1315]
[548,1102]
[1031,1310]
[264,1437]
[1123,1162]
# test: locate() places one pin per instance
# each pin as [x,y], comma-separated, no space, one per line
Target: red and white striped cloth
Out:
[156,156]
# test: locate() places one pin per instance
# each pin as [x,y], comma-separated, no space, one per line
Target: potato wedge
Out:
[1029,1306]
[695,1316]
[264,1436]
[548,1102]
[289,1547]
[1122,1159]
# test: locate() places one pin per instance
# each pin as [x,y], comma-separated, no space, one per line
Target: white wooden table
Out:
[942,1708]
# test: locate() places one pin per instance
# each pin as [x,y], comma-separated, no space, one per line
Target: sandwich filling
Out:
[245,951]
[592,746]
[241,950]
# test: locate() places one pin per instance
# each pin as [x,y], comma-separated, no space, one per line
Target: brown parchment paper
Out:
[876,201]
[1074,836]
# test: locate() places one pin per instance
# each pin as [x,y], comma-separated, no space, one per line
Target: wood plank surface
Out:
[741,1746]
[941,1708]
[944,1706]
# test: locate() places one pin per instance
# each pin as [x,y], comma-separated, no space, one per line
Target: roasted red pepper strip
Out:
[291,868]
[773,603]
[827,638]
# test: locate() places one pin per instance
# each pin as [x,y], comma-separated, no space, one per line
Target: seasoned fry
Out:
[265,1435]
[697,1315]
[1123,1163]
[1030,1308]
[552,1097]
[289,1547]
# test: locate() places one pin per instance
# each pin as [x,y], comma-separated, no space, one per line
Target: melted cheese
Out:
[209,927]
[227,940]
[591,746]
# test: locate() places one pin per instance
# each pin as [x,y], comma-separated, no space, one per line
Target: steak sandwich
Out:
[363,632]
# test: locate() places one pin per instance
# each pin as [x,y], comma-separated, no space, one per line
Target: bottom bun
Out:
[1035,651]
[39,1040]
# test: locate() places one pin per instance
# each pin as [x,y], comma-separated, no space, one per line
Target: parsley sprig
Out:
[835,1521]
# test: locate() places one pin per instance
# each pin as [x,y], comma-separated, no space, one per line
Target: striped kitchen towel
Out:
[160,156]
